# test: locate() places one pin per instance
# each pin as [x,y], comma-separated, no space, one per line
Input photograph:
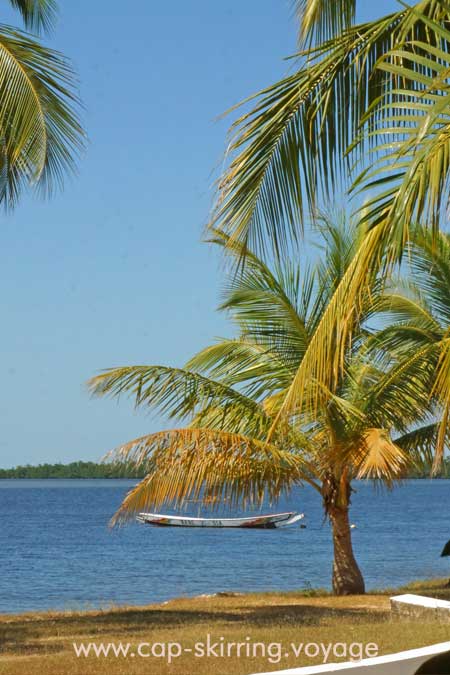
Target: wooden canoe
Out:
[261,522]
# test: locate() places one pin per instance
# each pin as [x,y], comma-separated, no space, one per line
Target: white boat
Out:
[262,522]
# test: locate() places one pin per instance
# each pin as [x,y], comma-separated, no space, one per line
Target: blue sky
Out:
[112,271]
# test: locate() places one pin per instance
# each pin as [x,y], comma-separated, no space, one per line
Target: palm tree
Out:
[40,134]
[230,394]
[367,111]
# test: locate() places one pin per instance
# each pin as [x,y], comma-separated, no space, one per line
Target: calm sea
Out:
[57,552]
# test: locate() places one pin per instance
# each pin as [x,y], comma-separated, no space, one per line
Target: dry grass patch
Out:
[41,644]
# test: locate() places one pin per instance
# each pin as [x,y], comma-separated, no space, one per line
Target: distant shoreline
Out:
[112,471]
[54,478]
[72,471]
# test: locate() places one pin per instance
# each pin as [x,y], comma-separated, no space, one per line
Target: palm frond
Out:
[442,390]
[396,344]
[379,458]
[429,259]
[259,371]
[322,20]
[304,133]
[288,287]
[40,135]
[406,387]
[266,315]
[410,126]
[420,445]
[177,393]
[269,306]
[323,361]
[37,15]
[409,308]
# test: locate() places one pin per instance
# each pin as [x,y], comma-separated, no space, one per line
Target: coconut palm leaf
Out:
[410,123]
[409,384]
[418,338]
[176,393]
[40,135]
[37,15]
[420,445]
[258,295]
[398,344]
[324,358]
[379,458]
[412,309]
[322,20]
[234,418]
[264,313]
[293,143]
[294,131]
[442,390]
[241,362]
[429,259]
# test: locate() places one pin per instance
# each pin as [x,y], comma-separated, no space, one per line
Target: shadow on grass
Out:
[312,615]
[42,634]
[52,635]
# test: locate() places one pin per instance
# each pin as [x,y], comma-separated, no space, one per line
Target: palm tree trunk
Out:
[347,577]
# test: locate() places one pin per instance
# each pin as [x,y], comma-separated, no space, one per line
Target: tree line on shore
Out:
[73,470]
[116,470]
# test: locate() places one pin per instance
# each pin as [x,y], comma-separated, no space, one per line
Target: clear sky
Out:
[112,271]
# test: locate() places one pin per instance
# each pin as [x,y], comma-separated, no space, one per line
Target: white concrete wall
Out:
[420,607]
[402,663]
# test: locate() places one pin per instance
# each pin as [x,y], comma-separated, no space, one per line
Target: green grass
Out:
[41,643]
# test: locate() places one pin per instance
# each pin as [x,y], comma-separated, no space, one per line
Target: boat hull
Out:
[267,522]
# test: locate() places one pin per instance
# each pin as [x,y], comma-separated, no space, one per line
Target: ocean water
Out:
[56,551]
